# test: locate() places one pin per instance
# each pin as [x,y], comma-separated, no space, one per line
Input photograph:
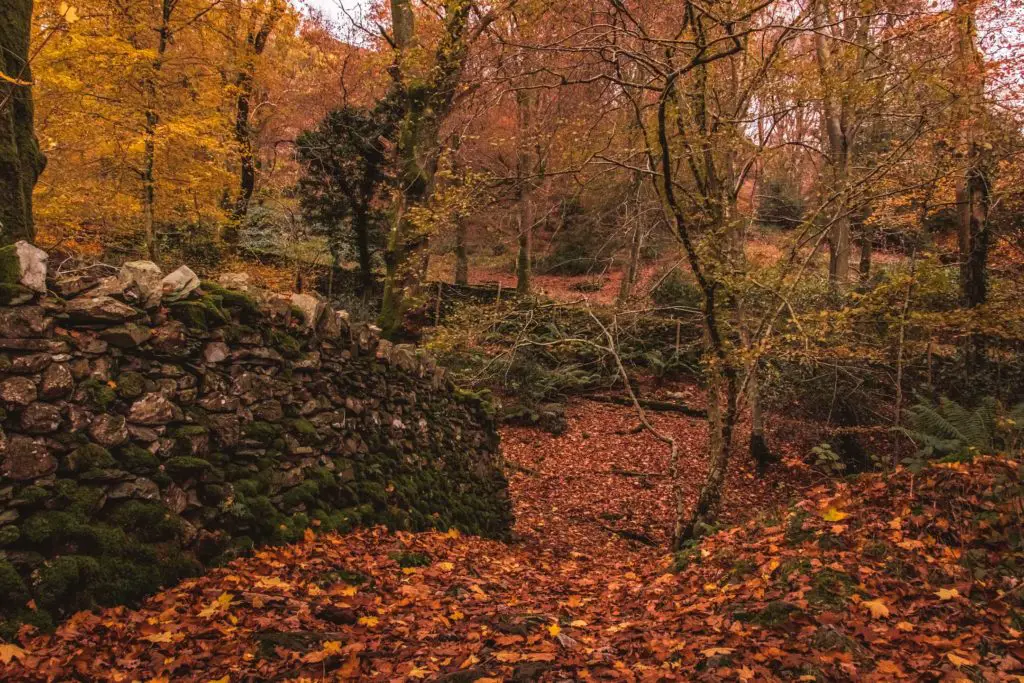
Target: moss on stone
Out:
[14,293]
[287,345]
[130,385]
[98,394]
[136,459]
[33,495]
[10,265]
[146,520]
[185,467]
[261,431]
[306,431]
[12,588]
[246,306]
[88,457]
[200,314]
[304,493]
[8,535]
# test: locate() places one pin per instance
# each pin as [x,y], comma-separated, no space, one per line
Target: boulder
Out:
[154,409]
[109,430]
[24,322]
[41,418]
[142,283]
[71,286]
[140,488]
[216,352]
[127,336]
[57,381]
[179,284]
[25,265]
[311,307]
[31,364]
[18,391]
[24,458]
[100,309]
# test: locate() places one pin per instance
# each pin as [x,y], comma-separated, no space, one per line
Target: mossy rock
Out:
[10,265]
[13,294]
[200,314]
[305,493]
[184,467]
[130,385]
[306,431]
[287,345]
[88,457]
[247,308]
[261,431]
[9,534]
[137,460]
[98,394]
[146,520]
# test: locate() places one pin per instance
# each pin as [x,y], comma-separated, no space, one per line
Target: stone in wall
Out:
[154,425]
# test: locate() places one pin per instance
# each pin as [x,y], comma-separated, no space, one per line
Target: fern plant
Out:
[951,430]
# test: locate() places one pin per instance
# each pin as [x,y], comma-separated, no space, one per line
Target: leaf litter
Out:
[897,577]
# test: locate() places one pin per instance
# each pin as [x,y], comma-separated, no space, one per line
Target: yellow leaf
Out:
[957,660]
[878,609]
[834,515]
[457,616]
[369,621]
[165,637]
[453,533]
[223,679]
[348,591]
[9,652]
[947,594]
[221,604]
[578,623]
[554,630]
[713,651]
[418,672]
[332,647]
[69,13]
[905,626]
[446,566]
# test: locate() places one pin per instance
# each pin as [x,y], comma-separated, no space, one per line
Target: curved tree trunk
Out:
[21,162]
[245,82]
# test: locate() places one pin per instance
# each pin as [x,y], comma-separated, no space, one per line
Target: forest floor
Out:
[857,580]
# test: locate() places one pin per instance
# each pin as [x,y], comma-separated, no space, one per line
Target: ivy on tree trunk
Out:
[21,161]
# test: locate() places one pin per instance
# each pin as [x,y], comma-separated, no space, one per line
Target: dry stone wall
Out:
[154,425]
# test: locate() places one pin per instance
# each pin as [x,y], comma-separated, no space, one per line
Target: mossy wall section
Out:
[140,447]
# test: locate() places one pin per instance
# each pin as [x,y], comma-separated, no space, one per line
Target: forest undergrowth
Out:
[881,577]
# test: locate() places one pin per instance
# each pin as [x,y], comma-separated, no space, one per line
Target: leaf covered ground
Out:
[879,578]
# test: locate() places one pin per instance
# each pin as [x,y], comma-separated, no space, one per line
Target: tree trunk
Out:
[866,249]
[973,193]
[361,227]
[152,119]
[721,399]
[523,266]
[838,138]
[426,105]
[245,82]
[461,256]
[633,266]
[21,162]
